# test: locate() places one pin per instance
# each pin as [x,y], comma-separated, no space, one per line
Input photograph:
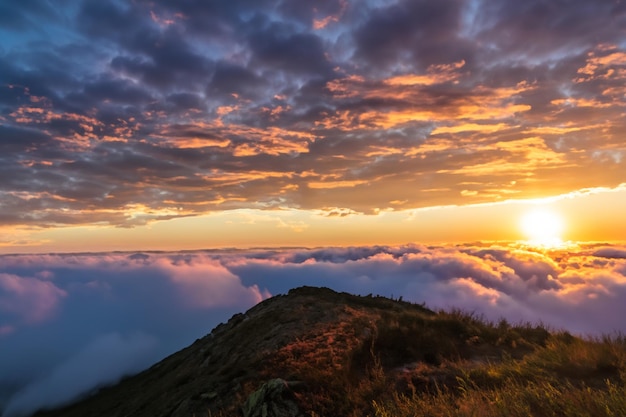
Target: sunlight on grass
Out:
[568,377]
[379,357]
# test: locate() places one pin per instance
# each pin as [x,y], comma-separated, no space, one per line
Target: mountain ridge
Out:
[316,352]
[228,353]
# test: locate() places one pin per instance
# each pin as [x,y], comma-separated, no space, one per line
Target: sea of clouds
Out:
[70,323]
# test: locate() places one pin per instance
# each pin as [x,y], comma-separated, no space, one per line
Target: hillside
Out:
[315,352]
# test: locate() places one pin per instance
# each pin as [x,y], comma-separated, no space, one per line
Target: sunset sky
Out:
[199,124]
[165,164]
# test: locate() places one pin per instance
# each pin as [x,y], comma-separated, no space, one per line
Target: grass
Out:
[514,400]
[405,360]
[566,377]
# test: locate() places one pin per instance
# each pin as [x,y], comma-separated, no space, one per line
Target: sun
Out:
[543,227]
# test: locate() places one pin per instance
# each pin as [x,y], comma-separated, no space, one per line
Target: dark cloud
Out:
[17,139]
[297,53]
[117,91]
[129,310]
[229,79]
[110,20]
[187,101]
[307,11]
[305,104]
[413,33]
[170,64]
[561,27]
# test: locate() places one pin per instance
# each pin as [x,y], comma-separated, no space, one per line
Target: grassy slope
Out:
[409,361]
[359,356]
[566,377]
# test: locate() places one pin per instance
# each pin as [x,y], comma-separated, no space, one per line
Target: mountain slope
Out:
[318,352]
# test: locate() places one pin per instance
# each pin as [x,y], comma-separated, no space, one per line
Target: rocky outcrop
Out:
[273,399]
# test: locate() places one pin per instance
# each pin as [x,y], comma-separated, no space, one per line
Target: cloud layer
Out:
[125,112]
[114,314]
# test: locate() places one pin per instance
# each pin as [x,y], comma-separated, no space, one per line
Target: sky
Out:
[134,125]
[166,164]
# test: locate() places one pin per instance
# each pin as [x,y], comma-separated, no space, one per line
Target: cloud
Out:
[101,317]
[29,299]
[130,310]
[110,107]
[422,31]
[610,252]
[102,361]
[549,27]
[190,277]
[576,290]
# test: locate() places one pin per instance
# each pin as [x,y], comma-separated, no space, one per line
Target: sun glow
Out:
[542,227]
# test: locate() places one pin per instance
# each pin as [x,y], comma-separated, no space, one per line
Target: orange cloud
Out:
[606,62]
[325,21]
[435,74]
[335,184]
[532,151]
[470,127]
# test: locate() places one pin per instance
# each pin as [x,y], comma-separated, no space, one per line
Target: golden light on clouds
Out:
[462,152]
[389,112]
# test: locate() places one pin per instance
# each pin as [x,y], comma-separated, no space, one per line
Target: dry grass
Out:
[567,377]
[409,361]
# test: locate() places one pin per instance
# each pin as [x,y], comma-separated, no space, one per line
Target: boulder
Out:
[273,399]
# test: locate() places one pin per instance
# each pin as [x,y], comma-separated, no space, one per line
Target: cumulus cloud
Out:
[572,289]
[190,275]
[610,252]
[30,299]
[127,113]
[130,310]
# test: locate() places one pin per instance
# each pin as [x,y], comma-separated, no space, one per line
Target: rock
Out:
[273,399]
[208,395]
